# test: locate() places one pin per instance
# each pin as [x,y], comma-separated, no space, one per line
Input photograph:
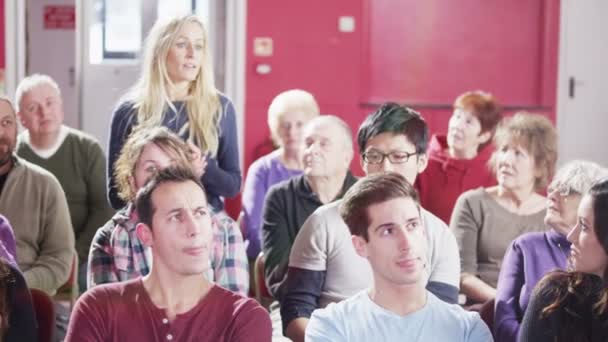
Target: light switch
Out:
[346,24]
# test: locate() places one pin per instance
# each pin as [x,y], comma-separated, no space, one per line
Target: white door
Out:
[51,42]
[582,116]
[109,37]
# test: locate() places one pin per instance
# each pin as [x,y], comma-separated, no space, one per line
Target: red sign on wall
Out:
[59,17]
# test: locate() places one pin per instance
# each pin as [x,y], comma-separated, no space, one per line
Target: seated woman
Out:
[287,114]
[17,317]
[486,220]
[573,306]
[458,160]
[117,254]
[532,255]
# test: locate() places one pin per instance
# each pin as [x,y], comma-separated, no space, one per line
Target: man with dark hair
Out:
[32,200]
[174,301]
[324,267]
[384,217]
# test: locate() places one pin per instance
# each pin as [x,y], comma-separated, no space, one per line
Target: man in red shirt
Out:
[174,301]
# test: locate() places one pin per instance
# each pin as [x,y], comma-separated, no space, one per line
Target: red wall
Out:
[419,53]
[309,53]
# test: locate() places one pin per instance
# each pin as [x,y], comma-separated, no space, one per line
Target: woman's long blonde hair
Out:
[150,94]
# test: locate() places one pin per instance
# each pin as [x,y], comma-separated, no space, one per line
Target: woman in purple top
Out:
[532,255]
[287,114]
[7,242]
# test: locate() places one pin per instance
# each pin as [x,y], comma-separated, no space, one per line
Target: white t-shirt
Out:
[360,319]
[324,244]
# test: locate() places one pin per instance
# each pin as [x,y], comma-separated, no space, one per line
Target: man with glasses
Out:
[324,266]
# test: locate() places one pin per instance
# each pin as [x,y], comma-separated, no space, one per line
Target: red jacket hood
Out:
[438,152]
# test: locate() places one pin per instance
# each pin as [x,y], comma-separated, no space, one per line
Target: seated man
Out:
[324,266]
[32,200]
[326,157]
[117,254]
[75,158]
[174,301]
[383,215]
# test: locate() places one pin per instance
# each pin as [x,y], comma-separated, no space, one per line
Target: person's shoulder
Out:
[329,211]
[529,239]
[81,137]
[470,322]
[224,99]
[239,304]
[432,221]
[35,172]
[340,312]
[287,186]
[124,107]
[477,194]
[264,163]
[111,291]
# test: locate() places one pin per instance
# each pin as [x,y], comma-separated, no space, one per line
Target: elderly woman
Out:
[117,254]
[486,220]
[532,255]
[287,114]
[573,306]
[458,160]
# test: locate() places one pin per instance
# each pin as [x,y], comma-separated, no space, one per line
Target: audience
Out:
[326,157]
[324,266]
[176,90]
[383,215]
[75,158]
[287,114]
[532,255]
[486,220]
[174,301]
[17,317]
[117,254]
[458,160]
[32,200]
[573,306]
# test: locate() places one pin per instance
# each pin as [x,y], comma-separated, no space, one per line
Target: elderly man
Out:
[327,153]
[323,265]
[35,205]
[75,158]
[174,301]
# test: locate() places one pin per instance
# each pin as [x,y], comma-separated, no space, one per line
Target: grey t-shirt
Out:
[324,244]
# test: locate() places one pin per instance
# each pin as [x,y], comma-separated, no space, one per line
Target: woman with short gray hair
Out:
[532,255]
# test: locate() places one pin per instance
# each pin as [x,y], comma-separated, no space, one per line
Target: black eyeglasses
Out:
[395,157]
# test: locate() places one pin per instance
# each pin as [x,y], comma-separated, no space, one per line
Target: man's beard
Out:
[5,157]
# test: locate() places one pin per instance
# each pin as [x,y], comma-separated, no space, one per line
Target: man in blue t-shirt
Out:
[382,212]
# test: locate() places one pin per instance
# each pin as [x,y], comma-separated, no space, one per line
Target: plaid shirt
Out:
[117,254]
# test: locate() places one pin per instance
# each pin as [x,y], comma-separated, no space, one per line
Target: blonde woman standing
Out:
[176,89]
